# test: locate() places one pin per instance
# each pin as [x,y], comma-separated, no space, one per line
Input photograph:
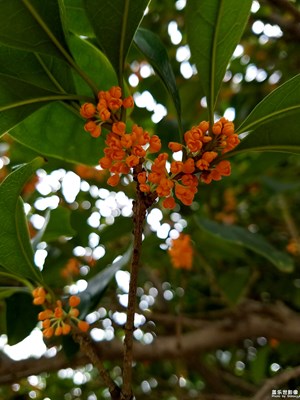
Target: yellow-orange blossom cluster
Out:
[55,320]
[202,160]
[202,150]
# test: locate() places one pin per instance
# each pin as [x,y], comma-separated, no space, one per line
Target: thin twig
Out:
[275,382]
[90,350]
[140,206]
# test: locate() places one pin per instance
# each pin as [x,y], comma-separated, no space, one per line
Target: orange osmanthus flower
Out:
[55,320]
[181,252]
[129,151]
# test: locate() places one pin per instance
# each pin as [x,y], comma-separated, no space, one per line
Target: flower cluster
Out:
[107,110]
[181,252]
[72,268]
[202,151]
[55,320]
[126,150]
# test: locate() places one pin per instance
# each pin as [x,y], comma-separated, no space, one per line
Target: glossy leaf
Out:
[94,63]
[20,305]
[43,71]
[278,134]
[61,135]
[98,284]
[32,25]
[58,225]
[151,46]
[253,241]
[115,23]
[277,113]
[77,20]
[214,28]
[19,99]
[7,291]
[16,254]
[285,99]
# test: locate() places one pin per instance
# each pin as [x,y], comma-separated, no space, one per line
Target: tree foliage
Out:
[220,317]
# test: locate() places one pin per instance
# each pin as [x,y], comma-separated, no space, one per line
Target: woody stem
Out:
[89,349]
[140,207]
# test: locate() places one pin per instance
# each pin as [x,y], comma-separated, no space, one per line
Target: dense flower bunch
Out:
[125,151]
[181,252]
[107,110]
[55,320]
[202,151]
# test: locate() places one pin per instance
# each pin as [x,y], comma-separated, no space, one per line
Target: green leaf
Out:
[58,225]
[19,99]
[44,71]
[98,284]
[124,227]
[234,282]
[151,46]
[7,291]
[253,241]
[57,131]
[16,254]
[115,23]
[95,64]
[259,365]
[32,25]
[77,20]
[277,113]
[284,99]
[21,317]
[214,28]
[279,134]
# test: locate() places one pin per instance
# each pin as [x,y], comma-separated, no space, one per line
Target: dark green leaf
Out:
[58,225]
[70,347]
[77,20]
[21,317]
[16,254]
[98,284]
[277,186]
[115,23]
[253,241]
[214,28]
[285,99]
[19,99]
[277,113]
[7,291]
[234,282]
[124,226]
[278,134]
[40,70]
[57,131]
[94,63]
[32,25]
[151,46]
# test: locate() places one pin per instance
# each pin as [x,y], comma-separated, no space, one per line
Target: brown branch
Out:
[275,382]
[139,211]
[140,206]
[90,350]
[250,320]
